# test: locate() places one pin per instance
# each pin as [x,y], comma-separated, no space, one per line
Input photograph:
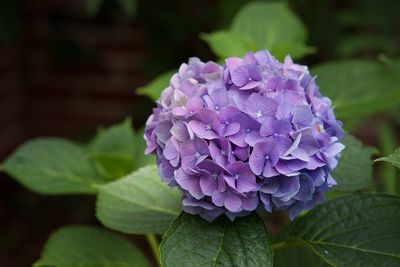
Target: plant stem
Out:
[154,245]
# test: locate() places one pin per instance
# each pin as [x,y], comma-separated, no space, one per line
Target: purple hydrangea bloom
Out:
[252,134]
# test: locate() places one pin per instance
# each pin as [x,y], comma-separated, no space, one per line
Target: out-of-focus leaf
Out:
[394,158]
[228,44]
[141,159]
[360,43]
[93,6]
[52,166]
[139,203]
[260,26]
[113,150]
[154,89]
[272,26]
[128,6]
[87,246]
[354,171]
[359,88]
[387,143]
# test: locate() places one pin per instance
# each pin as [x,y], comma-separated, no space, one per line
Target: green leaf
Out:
[356,230]
[297,257]
[354,171]
[93,6]
[140,145]
[297,50]
[154,89]
[192,241]
[394,158]
[138,203]
[387,143]
[52,166]
[356,86]
[128,6]
[272,26]
[89,247]
[228,44]
[113,150]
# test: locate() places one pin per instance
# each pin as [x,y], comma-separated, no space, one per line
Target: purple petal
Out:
[302,116]
[208,184]
[202,130]
[233,203]
[189,183]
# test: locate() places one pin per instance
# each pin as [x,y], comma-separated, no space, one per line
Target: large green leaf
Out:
[113,150]
[358,88]
[86,246]
[227,44]
[192,241]
[297,257]
[356,230]
[294,256]
[354,171]
[154,88]
[138,203]
[259,26]
[52,166]
[394,158]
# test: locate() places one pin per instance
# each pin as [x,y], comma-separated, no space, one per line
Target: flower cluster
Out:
[254,133]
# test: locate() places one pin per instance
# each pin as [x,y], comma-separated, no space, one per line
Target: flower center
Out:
[258,114]
[223,153]
[248,130]
[237,176]
[208,127]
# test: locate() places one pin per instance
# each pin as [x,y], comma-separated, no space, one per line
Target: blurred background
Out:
[68,66]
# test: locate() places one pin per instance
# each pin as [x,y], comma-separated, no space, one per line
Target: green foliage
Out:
[394,158]
[139,144]
[227,43]
[387,142]
[138,203]
[192,241]
[356,87]
[128,6]
[112,150]
[259,26]
[57,166]
[93,6]
[89,247]
[154,89]
[52,166]
[355,230]
[297,257]
[354,171]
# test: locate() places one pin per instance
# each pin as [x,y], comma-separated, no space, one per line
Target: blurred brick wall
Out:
[11,96]
[68,73]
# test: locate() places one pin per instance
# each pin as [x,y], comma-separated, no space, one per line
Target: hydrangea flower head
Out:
[252,134]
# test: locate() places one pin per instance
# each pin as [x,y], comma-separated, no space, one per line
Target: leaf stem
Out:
[154,245]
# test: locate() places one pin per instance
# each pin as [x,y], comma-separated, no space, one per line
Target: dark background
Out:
[64,71]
